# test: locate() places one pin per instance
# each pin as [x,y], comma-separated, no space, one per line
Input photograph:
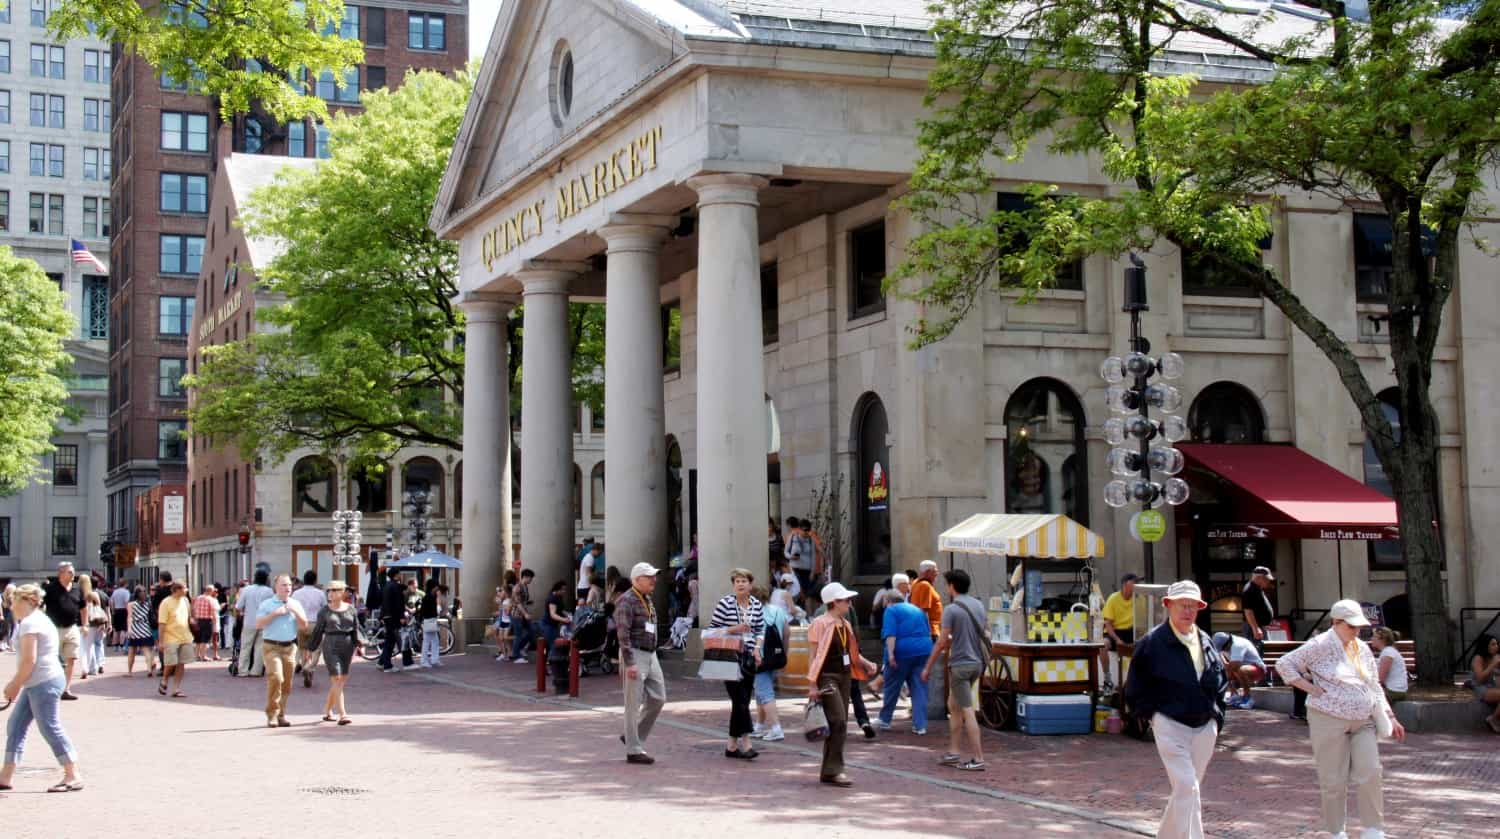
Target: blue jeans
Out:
[765,687]
[525,640]
[39,703]
[94,638]
[908,671]
[429,647]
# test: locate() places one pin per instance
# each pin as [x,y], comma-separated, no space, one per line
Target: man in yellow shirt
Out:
[1119,620]
[173,621]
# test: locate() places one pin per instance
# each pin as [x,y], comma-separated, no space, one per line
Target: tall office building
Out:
[54,188]
[170,149]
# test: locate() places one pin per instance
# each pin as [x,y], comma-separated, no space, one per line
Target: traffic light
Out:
[107,552]
[244,538]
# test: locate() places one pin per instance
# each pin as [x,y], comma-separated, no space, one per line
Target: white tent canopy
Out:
[1047,535]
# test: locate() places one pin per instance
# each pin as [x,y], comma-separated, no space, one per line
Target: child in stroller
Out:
[598,649]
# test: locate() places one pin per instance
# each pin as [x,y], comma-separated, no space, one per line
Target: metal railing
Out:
[1463,637]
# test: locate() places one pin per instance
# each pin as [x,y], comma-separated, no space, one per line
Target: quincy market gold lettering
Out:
[220,316]
[624,165]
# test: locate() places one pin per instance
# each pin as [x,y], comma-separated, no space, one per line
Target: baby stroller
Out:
[598,649]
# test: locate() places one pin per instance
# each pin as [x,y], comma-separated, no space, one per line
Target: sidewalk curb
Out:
[1079,813]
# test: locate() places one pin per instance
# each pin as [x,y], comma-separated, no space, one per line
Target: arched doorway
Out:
[423,474]
[674,497]
[1226,412]
[872,500]
[1046,463]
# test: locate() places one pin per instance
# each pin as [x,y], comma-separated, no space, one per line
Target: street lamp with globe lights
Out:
[1143,446]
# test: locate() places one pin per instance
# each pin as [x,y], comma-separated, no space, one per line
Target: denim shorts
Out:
[765,688]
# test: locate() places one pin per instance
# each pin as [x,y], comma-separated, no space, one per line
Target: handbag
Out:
[814,721]
[720,671]
[430,625]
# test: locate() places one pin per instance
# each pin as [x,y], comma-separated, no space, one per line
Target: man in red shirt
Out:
[206,623]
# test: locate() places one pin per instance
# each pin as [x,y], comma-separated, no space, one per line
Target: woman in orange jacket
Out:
[835,659]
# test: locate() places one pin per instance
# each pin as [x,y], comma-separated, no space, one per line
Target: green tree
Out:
[1399,109]
[240,51]
[365,354]
[34,323]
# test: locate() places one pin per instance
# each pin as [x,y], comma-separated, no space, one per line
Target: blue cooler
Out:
[1054,714]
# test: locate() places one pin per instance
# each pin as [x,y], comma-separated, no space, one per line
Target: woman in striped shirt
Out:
[140,638]
[741,614]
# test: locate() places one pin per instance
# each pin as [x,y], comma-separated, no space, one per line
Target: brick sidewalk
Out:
[469,749]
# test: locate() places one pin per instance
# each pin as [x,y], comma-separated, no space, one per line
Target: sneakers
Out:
[882,725]
[424,666]
[869,731]
[774,734]
[972,766]
[919,731]
[759,732]
[950,759]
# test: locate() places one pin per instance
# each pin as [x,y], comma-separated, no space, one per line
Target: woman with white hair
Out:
[907,641]
[36,690]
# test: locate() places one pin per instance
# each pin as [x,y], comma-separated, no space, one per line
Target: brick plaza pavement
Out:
[471,750]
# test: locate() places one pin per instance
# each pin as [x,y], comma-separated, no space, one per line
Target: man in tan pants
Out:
[645,688]
[278,620]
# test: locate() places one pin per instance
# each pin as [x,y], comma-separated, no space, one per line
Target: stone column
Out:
[487,537]
[546,424]
[635,472]
[732,441]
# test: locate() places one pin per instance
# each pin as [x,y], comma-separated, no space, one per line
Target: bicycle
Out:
[410,640]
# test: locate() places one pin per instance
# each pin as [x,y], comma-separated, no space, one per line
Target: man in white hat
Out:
[645,687]
[1177,682]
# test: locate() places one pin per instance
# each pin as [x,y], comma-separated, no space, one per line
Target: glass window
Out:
[4,155]
[4,56]
[1045,459]
[176,316]
[106,219]
[321,146]
[55,215]
[671,336]
[325,87]
[181,254]
[184,132]
[38,13]
[169,377]
[4,535]
[426,31]
[296,139]
[39,110]
[349,93]
[90,209]
[39,60]
[370,488]
[1225,412]
[37,213]
[374,27]
[253,140]
[769,309]
[4,209]
[64,536]
[91,66]
[90,165]
[312,487]
[423,474]
[169,442]
[596,491]
[196,187]
[55,161]
[57,112]
[56,60]
[96,306]
[349,26]
[65,466]
[374,77]
[171,193]
[867,270]
[4,107]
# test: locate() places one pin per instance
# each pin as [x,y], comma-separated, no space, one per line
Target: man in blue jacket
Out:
[1177,682]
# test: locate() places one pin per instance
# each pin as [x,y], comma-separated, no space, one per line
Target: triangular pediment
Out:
[516,114]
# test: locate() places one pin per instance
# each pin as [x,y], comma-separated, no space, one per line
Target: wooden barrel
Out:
[793,678]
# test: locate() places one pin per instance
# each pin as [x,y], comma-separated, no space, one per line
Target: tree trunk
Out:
[1414,480]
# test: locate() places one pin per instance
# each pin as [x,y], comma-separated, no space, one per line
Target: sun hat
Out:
[1348,611]
[1263,571]
[1184,590]
[836,591]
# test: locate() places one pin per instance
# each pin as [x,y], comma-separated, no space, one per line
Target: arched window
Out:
[872,504]
[458,491]
[1225,412]
[1046,464]
[370,488]
[1384,555]
[423,474]
[515,476]
[313,481]
[596,492]
[674,496]
[577,493]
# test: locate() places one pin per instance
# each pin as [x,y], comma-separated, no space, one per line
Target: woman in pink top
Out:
[1346,705]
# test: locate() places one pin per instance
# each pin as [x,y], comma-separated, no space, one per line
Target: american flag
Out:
[81,256]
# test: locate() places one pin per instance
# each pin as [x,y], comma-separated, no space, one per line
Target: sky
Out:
[482,14]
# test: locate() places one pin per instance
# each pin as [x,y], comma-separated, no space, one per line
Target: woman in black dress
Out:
[337,632]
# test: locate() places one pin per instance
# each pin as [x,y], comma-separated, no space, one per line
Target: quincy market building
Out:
[730,166]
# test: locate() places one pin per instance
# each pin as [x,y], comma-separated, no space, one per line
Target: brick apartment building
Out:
[169,146]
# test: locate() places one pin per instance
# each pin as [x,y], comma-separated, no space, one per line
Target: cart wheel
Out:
[997,697]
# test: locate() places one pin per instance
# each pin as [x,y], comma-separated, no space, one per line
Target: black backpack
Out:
[773,652]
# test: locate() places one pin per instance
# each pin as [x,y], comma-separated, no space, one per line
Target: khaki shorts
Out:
[68,641]
[175,654]
[963,684]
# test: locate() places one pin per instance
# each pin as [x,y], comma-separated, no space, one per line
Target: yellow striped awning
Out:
[1047,535]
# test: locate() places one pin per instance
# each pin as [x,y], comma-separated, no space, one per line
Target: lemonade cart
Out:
[1045,644]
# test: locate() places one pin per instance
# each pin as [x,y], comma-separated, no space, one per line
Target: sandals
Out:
[66,786]
[328,718]
[345,721]
[177,694]
[162,688]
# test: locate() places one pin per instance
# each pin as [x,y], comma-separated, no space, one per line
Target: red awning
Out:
[1285,493]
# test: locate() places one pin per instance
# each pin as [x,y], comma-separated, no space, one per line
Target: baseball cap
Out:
[1263,571]
[836,591]
[1349,612]
[1220,640]
[642,569]
[1129,578]
[1183,590]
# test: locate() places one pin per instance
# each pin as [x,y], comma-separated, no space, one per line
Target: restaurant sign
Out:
[1297,530]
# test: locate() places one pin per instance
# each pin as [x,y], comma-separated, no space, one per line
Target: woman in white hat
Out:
[835,659]
[1346,708]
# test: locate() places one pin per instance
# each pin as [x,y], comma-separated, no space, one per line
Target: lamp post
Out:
[346,536]
[1142,444]
[418,510]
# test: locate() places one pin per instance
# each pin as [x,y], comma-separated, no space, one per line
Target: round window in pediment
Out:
[561,87]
